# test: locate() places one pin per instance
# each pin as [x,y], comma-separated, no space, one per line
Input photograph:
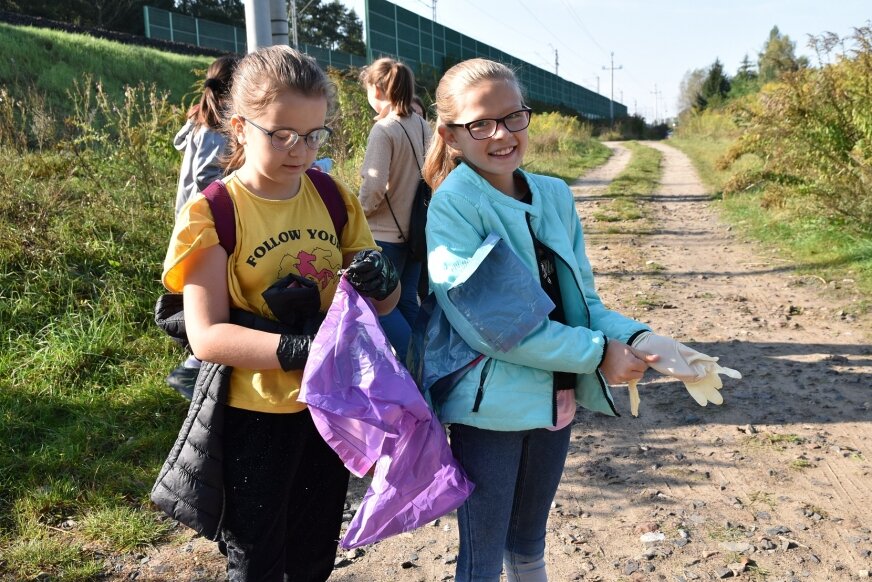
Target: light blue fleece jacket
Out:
[513,390]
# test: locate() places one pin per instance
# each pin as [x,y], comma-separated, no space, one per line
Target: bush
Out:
[813,131]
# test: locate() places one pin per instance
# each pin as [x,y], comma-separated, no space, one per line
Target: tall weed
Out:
[125,141]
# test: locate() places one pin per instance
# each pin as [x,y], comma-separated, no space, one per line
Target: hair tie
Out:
[214,84]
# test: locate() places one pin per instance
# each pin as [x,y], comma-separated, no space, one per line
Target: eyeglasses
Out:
[285,139]
[486,128]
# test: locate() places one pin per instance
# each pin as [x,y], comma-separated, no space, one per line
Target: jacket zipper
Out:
[600,378]
[479,394]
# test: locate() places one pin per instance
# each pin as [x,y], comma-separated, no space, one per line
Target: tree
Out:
[225,11]
[690,88]
[778,57]
[329,25]
[746,80]
[714,88]
[118,15]
[747,70]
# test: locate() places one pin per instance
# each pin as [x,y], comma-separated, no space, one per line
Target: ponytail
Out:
[395,80]
[439,162]
[210,110]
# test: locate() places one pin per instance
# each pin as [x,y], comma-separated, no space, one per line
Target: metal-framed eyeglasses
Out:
[486,128]
[284,139]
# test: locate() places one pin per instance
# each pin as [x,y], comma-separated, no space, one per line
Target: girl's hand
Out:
[623,363]
[372,274]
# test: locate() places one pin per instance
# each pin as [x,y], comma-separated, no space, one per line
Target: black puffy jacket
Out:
[190,485]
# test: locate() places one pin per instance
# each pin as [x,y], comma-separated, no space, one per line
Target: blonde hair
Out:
[456,81]
[395,80]
[262,75]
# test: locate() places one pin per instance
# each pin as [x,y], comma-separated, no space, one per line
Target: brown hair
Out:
[219,77]
[458,79]
[420,103]
[395,80]
[262,75]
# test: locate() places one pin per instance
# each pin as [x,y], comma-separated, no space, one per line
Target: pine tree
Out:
[714,88]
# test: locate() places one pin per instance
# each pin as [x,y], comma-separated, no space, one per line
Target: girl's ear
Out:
[237,128]
[447,135]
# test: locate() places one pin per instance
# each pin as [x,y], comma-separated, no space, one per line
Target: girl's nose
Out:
[502,130]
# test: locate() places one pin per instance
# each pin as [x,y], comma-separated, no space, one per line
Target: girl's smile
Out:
[495,158]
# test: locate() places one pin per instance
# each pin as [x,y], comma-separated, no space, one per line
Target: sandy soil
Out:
[774,485]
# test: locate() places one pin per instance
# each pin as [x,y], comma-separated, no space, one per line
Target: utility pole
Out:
[278,11]
[656,94]
[556,63]
[612,68]
[434,10]
[293,15]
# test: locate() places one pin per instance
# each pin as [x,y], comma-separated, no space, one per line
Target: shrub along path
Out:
[776,483]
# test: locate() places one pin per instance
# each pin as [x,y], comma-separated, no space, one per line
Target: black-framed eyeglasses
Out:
[285,139]
[486,128]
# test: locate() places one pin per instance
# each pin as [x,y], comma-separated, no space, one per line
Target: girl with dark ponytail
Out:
[200,140]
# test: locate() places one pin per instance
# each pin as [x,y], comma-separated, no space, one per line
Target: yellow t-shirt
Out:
[273,238]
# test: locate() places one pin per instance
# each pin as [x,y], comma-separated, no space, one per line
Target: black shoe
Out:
[183,379]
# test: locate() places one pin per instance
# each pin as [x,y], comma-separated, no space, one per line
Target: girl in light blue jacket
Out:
[510,414]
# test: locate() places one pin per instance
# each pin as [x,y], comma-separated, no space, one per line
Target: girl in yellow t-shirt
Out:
[284,487]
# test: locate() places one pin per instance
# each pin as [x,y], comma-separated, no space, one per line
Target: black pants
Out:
[284,496]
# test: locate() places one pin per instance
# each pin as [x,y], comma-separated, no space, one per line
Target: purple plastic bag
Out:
[369,410]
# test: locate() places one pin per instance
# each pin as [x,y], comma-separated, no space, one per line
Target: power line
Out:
[582,26]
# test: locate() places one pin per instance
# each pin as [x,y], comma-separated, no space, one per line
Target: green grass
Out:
[46,61]
[638,179]
[562,147]
[85,418]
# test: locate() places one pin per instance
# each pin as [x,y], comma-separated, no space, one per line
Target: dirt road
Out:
[774,485]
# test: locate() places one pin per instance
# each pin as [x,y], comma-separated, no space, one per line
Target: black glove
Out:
[295,301]
[372,274]
[293,351]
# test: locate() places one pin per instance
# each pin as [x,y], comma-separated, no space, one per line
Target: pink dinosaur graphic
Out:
[307,269]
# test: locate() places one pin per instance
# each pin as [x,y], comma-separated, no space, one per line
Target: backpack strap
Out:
[223,213]
[331,197]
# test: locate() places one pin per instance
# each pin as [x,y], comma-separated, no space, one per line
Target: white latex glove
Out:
[699,372]
[634,397]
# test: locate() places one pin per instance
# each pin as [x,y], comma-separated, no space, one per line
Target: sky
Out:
[655,42]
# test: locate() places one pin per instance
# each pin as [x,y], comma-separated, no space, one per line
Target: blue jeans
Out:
[516,476]
[398,323]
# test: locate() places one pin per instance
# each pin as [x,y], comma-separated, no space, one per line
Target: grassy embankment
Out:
[89,179]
